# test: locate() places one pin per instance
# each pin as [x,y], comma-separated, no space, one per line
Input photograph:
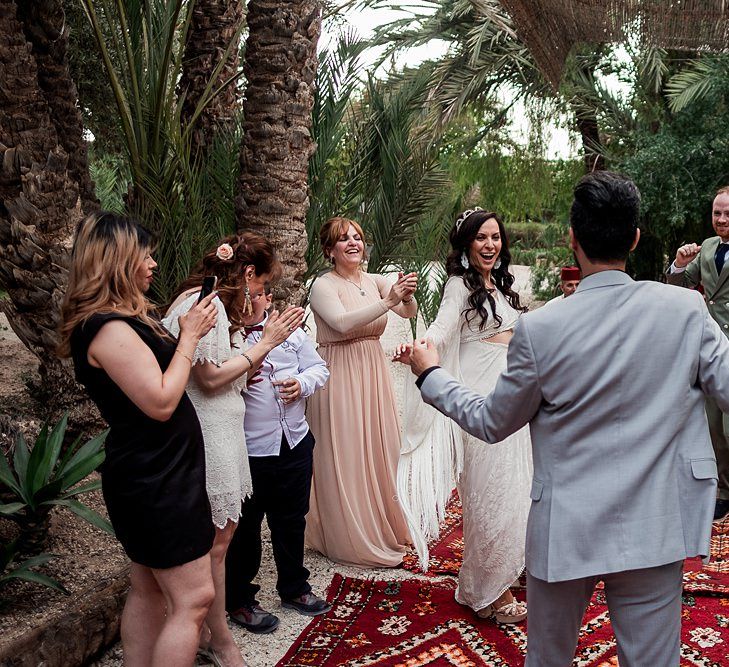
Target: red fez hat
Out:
[570,273]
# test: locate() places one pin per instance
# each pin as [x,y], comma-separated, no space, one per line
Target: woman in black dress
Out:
[153,478]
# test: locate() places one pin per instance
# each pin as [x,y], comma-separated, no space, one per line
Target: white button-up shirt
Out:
[267,416]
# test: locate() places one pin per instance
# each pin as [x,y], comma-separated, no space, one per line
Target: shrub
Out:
[40,478]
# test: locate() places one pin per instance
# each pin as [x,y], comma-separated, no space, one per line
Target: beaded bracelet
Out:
[248,359]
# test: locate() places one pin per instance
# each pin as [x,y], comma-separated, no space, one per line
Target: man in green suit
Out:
[708,265]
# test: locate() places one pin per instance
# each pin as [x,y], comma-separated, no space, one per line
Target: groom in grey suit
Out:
[624,472]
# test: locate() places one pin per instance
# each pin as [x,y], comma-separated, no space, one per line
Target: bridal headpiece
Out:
[462,218]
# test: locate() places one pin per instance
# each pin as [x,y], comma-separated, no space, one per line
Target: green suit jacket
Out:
[702,270]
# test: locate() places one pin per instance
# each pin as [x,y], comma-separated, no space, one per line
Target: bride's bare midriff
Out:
[501,337]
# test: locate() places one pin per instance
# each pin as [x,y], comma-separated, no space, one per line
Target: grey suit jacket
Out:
[702,270]
[612,383]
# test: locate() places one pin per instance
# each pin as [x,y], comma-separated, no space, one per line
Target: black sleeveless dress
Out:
[153,478]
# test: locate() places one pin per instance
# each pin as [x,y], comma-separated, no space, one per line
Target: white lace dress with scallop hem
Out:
[493,480]
[221,414]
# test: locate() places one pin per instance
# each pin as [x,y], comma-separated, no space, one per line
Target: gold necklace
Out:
[359,287]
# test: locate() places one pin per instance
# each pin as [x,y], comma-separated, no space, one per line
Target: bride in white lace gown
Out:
[475,322]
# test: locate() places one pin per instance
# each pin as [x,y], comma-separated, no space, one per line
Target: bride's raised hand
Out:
[402,353]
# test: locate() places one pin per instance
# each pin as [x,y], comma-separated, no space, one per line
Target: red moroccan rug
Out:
[446,555]
[714,576]
[446,552]
[417,622]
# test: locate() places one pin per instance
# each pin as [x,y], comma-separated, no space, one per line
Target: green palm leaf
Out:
[698,81]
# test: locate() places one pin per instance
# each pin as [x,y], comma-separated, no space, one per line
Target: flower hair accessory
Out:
[224,252]
[464,215]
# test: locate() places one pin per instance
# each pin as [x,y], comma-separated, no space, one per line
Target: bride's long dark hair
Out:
[461,238]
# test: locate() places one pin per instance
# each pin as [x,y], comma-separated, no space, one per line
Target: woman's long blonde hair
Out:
[107,252]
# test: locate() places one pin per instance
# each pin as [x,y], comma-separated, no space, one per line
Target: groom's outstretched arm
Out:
[513,402]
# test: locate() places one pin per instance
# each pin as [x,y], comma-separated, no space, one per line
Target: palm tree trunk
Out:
[586,121]
[45,28]
[39,209]
[215,23]
[280,67]
[590,134]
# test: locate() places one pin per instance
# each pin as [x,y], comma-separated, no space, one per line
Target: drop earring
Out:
[464,261]
[248,304]
[497,263]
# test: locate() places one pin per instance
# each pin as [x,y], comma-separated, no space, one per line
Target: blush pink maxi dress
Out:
[355,516]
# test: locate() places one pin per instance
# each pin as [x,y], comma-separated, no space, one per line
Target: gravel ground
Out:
[267,650]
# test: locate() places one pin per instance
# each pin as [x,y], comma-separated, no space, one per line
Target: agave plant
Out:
[11,569]
[43,477]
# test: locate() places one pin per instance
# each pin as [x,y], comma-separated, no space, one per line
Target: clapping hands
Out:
[404,288]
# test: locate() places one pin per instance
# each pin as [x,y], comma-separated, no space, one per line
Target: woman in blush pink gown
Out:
[355,516]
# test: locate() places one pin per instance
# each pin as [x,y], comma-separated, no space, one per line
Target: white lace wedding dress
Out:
[221,415]
[493,479]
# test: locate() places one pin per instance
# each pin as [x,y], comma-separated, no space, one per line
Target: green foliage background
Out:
[405,152]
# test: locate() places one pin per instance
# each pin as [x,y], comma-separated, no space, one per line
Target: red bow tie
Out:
[250,330]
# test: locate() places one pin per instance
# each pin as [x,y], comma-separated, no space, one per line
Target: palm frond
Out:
[184,198]
[483,54]
[698,81]
[652,68]
[396,177]
[338,76]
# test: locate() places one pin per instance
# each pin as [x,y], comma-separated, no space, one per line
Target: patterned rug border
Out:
[370,619]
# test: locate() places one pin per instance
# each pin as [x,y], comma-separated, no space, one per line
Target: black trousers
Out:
[281,489]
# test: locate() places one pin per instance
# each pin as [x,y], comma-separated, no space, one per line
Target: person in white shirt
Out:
[280,452]
[569,280]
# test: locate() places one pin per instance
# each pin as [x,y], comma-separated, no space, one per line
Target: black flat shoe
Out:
[307,604]
[255,619]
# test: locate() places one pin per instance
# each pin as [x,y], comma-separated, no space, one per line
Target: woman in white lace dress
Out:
[475,322]
[221,365]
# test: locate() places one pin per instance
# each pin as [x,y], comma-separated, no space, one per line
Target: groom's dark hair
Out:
[604,215]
